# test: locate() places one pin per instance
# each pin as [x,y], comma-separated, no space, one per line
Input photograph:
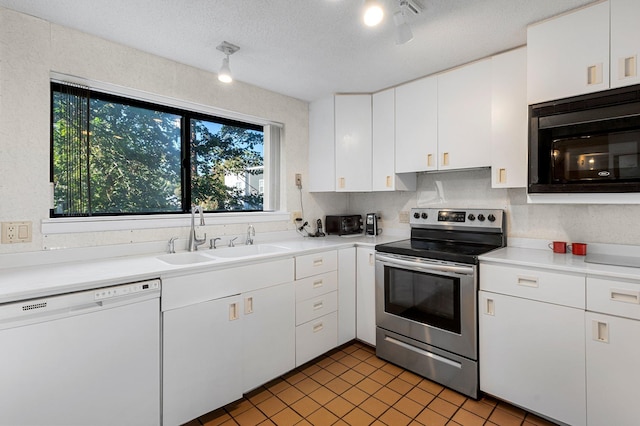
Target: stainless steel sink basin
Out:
[250,250]
[186,258]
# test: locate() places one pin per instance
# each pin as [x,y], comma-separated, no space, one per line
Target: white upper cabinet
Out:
[353,142]
[322,170]
[417,126]
[509,119]
[384,126]
[625,42]
[569,55]
[464,117]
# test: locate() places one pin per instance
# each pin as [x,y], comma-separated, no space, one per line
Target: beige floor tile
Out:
[271,406]
[467,418]
[294,377]
[408,376]
[400,386]
[364,368]
[323,377]
[352,348]
[374,406]
[443,407]
[394,370]
[339,355]
[358,417]
[349,361]
[341,423]
[307,385]
[310,370]
[369,386]
[429,417]
[324,362]
[429,386]
[395,418]
[322,395]
[352,377]
[362,354]
[336,368]
[387,396]
[305,406]
[339,406]
[478,408]
[355,396]
[420,396]
[338,385]
[376,362]
[408,407]
[503,418]
[453,397]
[251,417]
[267,422]
[286,417]
[514,411]
[215,418]
[258,395]
[322,417]
[277,386]
[381,377]
[290,395]
[237,407]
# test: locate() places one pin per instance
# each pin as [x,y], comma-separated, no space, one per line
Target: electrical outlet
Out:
[16,232]
[295,216]
[403,217]
[299,180]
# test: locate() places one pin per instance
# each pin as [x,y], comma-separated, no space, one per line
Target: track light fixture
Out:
[403,30]
[224,75]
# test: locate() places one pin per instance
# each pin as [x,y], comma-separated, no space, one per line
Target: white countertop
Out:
[536,257]
[43,274]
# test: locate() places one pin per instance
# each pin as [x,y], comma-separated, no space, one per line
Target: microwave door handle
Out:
[419,266]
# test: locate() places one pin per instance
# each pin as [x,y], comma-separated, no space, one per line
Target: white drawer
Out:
[316,307]
[316,285]
[614,296]
[561,288]
[316,337]
[317,263]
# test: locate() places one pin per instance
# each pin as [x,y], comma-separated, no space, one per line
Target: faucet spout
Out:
[194,241]
[251,232]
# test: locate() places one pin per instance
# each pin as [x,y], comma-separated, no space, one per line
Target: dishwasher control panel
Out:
[126,289]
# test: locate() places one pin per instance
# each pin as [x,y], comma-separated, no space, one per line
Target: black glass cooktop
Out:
[438,250]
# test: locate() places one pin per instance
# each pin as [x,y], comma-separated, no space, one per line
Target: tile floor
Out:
[351,386]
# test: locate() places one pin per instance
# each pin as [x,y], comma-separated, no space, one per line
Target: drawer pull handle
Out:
[317,284]
[317,305]
[233,311]
[600,331]
[528,281]
[318,327]
[490,308]
[318,262]
[627,296]
[248,305]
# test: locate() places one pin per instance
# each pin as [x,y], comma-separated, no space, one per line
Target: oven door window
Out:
[430,299]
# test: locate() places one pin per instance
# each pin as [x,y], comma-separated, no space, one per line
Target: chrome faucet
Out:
[194,241]
[171,246]
[251,232]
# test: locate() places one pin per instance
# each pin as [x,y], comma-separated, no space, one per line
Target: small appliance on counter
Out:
[371,224]
[344,224]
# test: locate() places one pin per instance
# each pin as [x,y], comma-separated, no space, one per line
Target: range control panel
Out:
[471,218]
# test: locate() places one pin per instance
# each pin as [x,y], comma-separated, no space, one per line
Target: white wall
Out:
[31,48]
[601,223]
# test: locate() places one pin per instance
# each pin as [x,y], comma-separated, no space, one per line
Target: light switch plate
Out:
[403,217]
[16,232]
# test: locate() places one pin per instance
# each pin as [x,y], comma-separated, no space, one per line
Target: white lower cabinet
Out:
[613,350]
[366,295]
[268,331]
[202,362]
[346,295]
[531,340]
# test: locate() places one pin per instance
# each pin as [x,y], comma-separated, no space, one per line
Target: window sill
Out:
[124,223]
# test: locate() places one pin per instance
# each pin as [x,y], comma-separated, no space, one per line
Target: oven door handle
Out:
[420,266]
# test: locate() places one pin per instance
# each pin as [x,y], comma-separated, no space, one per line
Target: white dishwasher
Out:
[84,358]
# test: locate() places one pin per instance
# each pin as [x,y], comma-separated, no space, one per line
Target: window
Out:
[117,156]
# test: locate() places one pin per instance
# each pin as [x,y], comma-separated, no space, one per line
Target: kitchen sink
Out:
[186,258]
[249,250]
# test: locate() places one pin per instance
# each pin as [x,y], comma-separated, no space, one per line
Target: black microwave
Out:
[586,144]
[344,224]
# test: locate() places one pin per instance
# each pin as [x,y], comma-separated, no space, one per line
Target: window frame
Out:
[187,111]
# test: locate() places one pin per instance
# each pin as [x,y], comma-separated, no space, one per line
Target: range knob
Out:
[424,215]
[471,217]
[491,218]
[416,215]
[481,217]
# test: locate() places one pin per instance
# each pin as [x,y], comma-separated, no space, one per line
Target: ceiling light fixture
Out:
[403,30]
[224,75]
[373,13]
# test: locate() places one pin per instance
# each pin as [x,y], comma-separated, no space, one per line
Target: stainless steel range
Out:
[427,291]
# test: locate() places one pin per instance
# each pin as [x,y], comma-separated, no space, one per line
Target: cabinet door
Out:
[509,119]
[322,169]
[268,323]
[464,117]
[384,135]
[353,143]
[417,126]
[568,55]
[346,295]
[613,350]
[532,354]
[202,359]
[625,42]
[366,296]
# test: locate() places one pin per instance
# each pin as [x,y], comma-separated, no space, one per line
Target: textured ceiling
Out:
[306,49]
